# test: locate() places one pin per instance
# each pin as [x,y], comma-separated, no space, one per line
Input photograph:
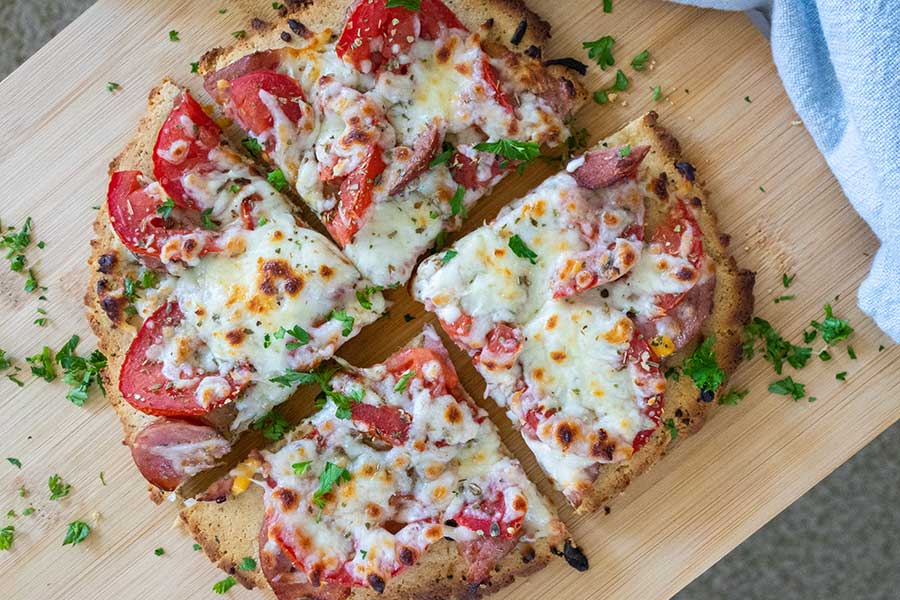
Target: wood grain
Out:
[61,128]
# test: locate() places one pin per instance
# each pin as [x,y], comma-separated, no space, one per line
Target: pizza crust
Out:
[731,311]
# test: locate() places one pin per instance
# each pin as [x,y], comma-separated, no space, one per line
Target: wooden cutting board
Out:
[772,191]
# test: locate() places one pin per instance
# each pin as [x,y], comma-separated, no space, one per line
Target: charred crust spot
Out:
[286,37]
[696,202]
[569,63]
[686,169]
[533,52]
[565,433]
[407,556]
[603,450]
[190,244]
[725,239]
[113,308]
[679,412]
[376,582]
[707,396]
[298,28]
[606,510]
[288,499]
[528,553]
[555,551]
[661,186]
[569,85]
[221,499]
[101,286]
[258,24]
[519,33]
[575,557]
[106,263]
[235,336]
[451,523]
[488,24]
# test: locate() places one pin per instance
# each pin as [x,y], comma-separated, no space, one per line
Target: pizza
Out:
[393,127]
[575,299]
[221,284]
[396,466]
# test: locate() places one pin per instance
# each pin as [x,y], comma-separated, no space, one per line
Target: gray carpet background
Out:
[840,540]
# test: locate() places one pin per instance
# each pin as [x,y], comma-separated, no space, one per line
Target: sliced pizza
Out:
[229,289]
[399,484]
[391,130]
[573,298]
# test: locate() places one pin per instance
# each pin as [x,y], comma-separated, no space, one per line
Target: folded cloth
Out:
[838,62]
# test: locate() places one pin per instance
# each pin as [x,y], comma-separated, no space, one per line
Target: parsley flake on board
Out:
[7,535]
[786,280]
[656,93]
[112,86]
[701,366]
[842,376]
[239,35]
[620,85]
[851,352]
[14,462]
[220,587]
[777,350]
[521,249]
[159,551]
[197,547]
[272,425]
[600,51]
[732,397]
[832,328]
[639,62]
[195,67]
[410,5]
[58,488]
[173,36]
[15,243]
[332,475]
[80,373]
[77,533]
[781,299]
[42,364]
[788,387]
[5,361]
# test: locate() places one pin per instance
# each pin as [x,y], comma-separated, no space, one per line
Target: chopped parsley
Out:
[777,349]
[842,376]
[620,85]
[408,317]
[272,425]
[14,462]
[788,387]
[102,478]
[607,6]
[300,335]
[824,355]
[786,280]
[457,206]
[220,587]
[781,299]
[58,488]
[77,533]
[5,361]
[656,93]
[195,67]
[343,317]
[701,366]
[248,564]
[411,5]
[173,36]
[301,467]
[447,151]
[521,249]
[197,547]
[165,209]
[673,429]
[80,373]
[239,34]
[404,380]
[28,511]
[31,283]
[252,146]
[277,179]
[112,86]
[600,51]
[15,243]
[7,534]
[639,62]
[511,150]
[625,150]
[747,99]
[331,476]
[42,364]
[448,256]
[832,328]
[364,296]
[159,551]
[732,397]
[277,6]
[851,352]
[206,220]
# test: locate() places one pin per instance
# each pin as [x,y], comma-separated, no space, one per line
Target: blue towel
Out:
[840,64]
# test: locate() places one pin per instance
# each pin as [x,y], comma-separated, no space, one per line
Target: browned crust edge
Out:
[732,310]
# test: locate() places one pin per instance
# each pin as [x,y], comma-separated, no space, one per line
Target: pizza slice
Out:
[206,285]
[392,129]
[577,296]
[399,485]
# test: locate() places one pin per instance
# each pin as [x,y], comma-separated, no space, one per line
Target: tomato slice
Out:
[502,345]
[458,329]
[490,77]
[647,373]
[249,109]
[142,382]
[355,197]
[669,235]
[373,33]
[183,144]
[132,213]
[446,382]
[487,513]
[386,422]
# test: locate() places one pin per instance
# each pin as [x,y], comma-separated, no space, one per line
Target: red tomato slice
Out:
[249,109]
[132,213]
[490,77]
[142,382]
[458,329]
[487,512]
[416,358]
[502,346]
[645,362]
[386,422]
[669,235]
[374,33]
[247,214]
[183,144]
[355,197]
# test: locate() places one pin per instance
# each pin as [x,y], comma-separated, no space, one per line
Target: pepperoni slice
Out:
[468,173]
[603,168]
[444,382]
[425,148]
[373,33]
[143,383]
[169,451]
[183,145]
[671,235]
[250,110]
[355,197]
[265,60]
[386,422]
[287,581]
[483,554]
